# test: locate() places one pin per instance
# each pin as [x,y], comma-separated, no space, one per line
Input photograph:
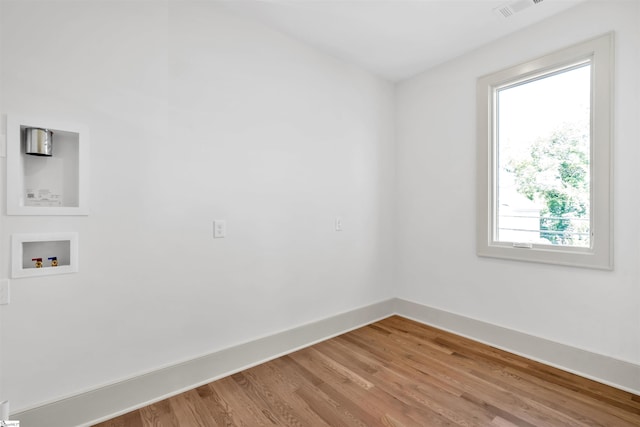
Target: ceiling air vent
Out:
[512,8]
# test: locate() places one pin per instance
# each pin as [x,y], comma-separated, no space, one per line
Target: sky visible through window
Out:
[543,154]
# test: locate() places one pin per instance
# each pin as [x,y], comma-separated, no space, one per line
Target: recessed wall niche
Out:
[43,254]
[56,184]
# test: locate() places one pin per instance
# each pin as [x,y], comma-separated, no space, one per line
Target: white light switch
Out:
[219,229]
[4,292]
[338,224]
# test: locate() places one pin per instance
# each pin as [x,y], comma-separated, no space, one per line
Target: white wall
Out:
[197,115]
[194,115]
[436,163]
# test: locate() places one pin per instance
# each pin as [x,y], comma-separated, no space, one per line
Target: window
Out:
[544,158]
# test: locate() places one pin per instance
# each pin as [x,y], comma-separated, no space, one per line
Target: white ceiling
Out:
[395,38]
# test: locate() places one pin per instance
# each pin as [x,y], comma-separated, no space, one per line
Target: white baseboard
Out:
[106,402]
[617,373]
[110,401]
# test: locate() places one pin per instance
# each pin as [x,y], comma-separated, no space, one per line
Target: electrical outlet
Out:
[5,295]
[219,229]
[338,224]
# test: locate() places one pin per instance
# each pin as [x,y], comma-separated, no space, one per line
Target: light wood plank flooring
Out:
[395,372]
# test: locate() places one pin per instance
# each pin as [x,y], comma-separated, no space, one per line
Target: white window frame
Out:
[599,51]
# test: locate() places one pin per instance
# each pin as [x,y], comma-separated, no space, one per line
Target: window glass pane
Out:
[543,159]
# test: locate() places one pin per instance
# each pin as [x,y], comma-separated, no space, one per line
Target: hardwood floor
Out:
[395,372]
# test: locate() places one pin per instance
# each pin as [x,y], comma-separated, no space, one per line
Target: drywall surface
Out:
[194,115]
[593,310]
